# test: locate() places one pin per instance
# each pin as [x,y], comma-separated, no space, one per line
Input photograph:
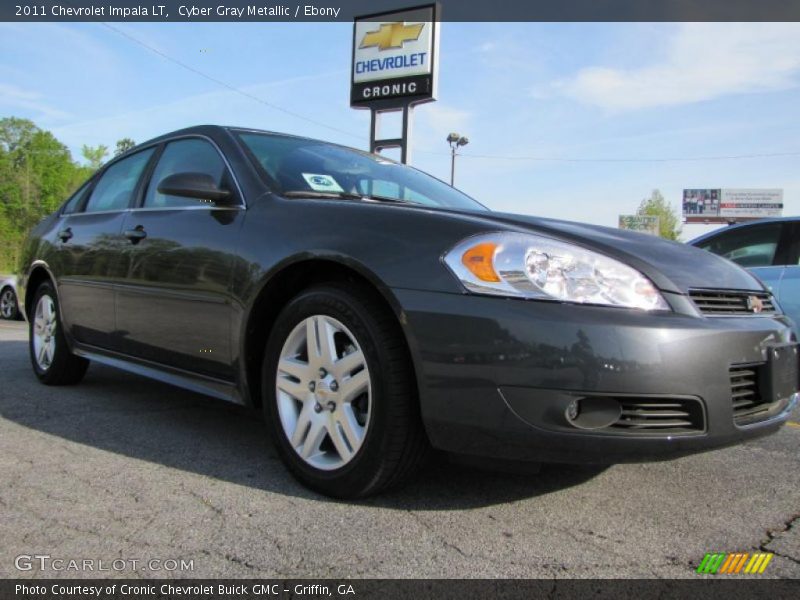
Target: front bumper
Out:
[496,376]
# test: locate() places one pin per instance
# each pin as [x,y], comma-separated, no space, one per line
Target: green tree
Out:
[668,219]
[94,155]
[37,173]
[124,145]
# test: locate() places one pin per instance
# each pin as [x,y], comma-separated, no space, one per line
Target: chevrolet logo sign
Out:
[391,35]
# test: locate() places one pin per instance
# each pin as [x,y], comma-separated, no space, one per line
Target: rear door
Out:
[87,257]
[174,304]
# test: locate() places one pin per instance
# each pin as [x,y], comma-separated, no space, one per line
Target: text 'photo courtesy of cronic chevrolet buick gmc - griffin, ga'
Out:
[375,313]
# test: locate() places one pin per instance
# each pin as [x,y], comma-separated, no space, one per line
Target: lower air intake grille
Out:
[660,415]
[748,405]
[727,303]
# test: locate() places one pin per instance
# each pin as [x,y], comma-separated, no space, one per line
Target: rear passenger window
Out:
[184,156]
[116,186]
[77,198]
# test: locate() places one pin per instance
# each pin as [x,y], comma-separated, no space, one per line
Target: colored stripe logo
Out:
[731,563]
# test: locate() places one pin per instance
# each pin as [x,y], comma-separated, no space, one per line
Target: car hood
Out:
[671,266]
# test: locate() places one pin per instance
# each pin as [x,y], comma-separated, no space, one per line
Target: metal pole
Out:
[405,149]
[452,165]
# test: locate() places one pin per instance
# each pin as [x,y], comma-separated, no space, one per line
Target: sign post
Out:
[394,68]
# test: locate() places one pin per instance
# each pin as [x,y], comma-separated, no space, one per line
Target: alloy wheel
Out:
[44,332]
[323,391]
[8,304]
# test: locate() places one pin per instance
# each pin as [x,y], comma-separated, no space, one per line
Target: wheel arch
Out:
[287,281]
[39,272]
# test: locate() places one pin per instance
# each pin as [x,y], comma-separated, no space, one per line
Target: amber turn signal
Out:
[478,259]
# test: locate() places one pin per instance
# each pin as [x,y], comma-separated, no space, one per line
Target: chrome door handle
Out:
[135,235]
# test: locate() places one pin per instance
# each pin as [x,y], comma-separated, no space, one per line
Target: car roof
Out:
[208,129]
[717,232]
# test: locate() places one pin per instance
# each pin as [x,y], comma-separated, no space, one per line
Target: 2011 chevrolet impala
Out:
[374,312]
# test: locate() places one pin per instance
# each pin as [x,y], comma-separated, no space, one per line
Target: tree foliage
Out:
[94,155]
[37,173]
[668,219]
[124,145]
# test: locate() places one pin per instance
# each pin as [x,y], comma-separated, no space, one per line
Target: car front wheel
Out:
[339,393]
[52,360]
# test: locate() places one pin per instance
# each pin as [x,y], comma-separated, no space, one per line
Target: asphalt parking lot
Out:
[120,467]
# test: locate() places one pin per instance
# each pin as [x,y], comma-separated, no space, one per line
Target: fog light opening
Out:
[593,412]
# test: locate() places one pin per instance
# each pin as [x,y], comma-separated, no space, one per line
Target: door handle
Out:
[65,234]
[136,235]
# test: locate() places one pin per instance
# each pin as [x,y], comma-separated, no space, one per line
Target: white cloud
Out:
[433,122]
[13,97]
[702,61]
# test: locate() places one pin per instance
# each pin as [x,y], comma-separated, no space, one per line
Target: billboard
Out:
[641,223]
[395,56]
[718,205]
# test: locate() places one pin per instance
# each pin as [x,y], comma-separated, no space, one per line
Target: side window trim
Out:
[144,180]
[148,175]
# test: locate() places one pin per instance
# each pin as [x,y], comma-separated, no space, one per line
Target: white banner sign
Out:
[751,203]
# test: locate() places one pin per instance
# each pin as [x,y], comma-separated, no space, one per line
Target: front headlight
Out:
[533,266]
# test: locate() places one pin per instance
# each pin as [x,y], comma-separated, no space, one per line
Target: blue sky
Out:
[557,91]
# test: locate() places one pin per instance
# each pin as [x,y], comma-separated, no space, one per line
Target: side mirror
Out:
[193,185]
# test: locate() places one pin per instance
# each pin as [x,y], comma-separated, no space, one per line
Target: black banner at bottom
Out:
[388,589]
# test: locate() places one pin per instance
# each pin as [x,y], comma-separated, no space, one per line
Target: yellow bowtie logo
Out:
[391,35]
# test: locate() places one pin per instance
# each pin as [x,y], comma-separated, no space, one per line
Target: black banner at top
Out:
[451,10]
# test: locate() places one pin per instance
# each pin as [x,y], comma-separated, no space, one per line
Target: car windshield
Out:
[308,168]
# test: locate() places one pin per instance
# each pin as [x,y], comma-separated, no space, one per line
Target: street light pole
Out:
[455,140]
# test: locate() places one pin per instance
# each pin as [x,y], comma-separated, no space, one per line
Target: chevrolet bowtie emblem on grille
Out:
[754,304]
[391,35]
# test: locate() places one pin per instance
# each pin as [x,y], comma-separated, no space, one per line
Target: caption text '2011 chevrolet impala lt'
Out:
[374,312]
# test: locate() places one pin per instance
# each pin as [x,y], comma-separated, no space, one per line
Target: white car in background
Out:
[9,303]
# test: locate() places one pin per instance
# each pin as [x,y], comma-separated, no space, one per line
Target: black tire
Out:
[9,306]
[65,368]
[395,445]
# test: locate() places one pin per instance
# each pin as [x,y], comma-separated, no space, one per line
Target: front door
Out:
[173,304]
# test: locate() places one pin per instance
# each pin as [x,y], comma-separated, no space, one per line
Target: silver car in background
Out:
[9,299]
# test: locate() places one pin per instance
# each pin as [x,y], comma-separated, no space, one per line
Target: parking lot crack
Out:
[774,534]
[447,544]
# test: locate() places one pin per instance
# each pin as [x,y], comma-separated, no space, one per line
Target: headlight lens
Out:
[533,266]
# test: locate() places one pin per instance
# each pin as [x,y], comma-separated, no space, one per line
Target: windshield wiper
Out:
[343,196]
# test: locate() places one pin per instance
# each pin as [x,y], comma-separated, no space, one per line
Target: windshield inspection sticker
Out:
[322,183]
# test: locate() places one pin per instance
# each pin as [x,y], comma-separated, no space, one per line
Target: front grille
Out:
[748,404]
[726,302]
[660,415]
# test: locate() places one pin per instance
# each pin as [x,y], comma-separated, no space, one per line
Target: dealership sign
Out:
[641,223]
[718,205]
[395,57]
